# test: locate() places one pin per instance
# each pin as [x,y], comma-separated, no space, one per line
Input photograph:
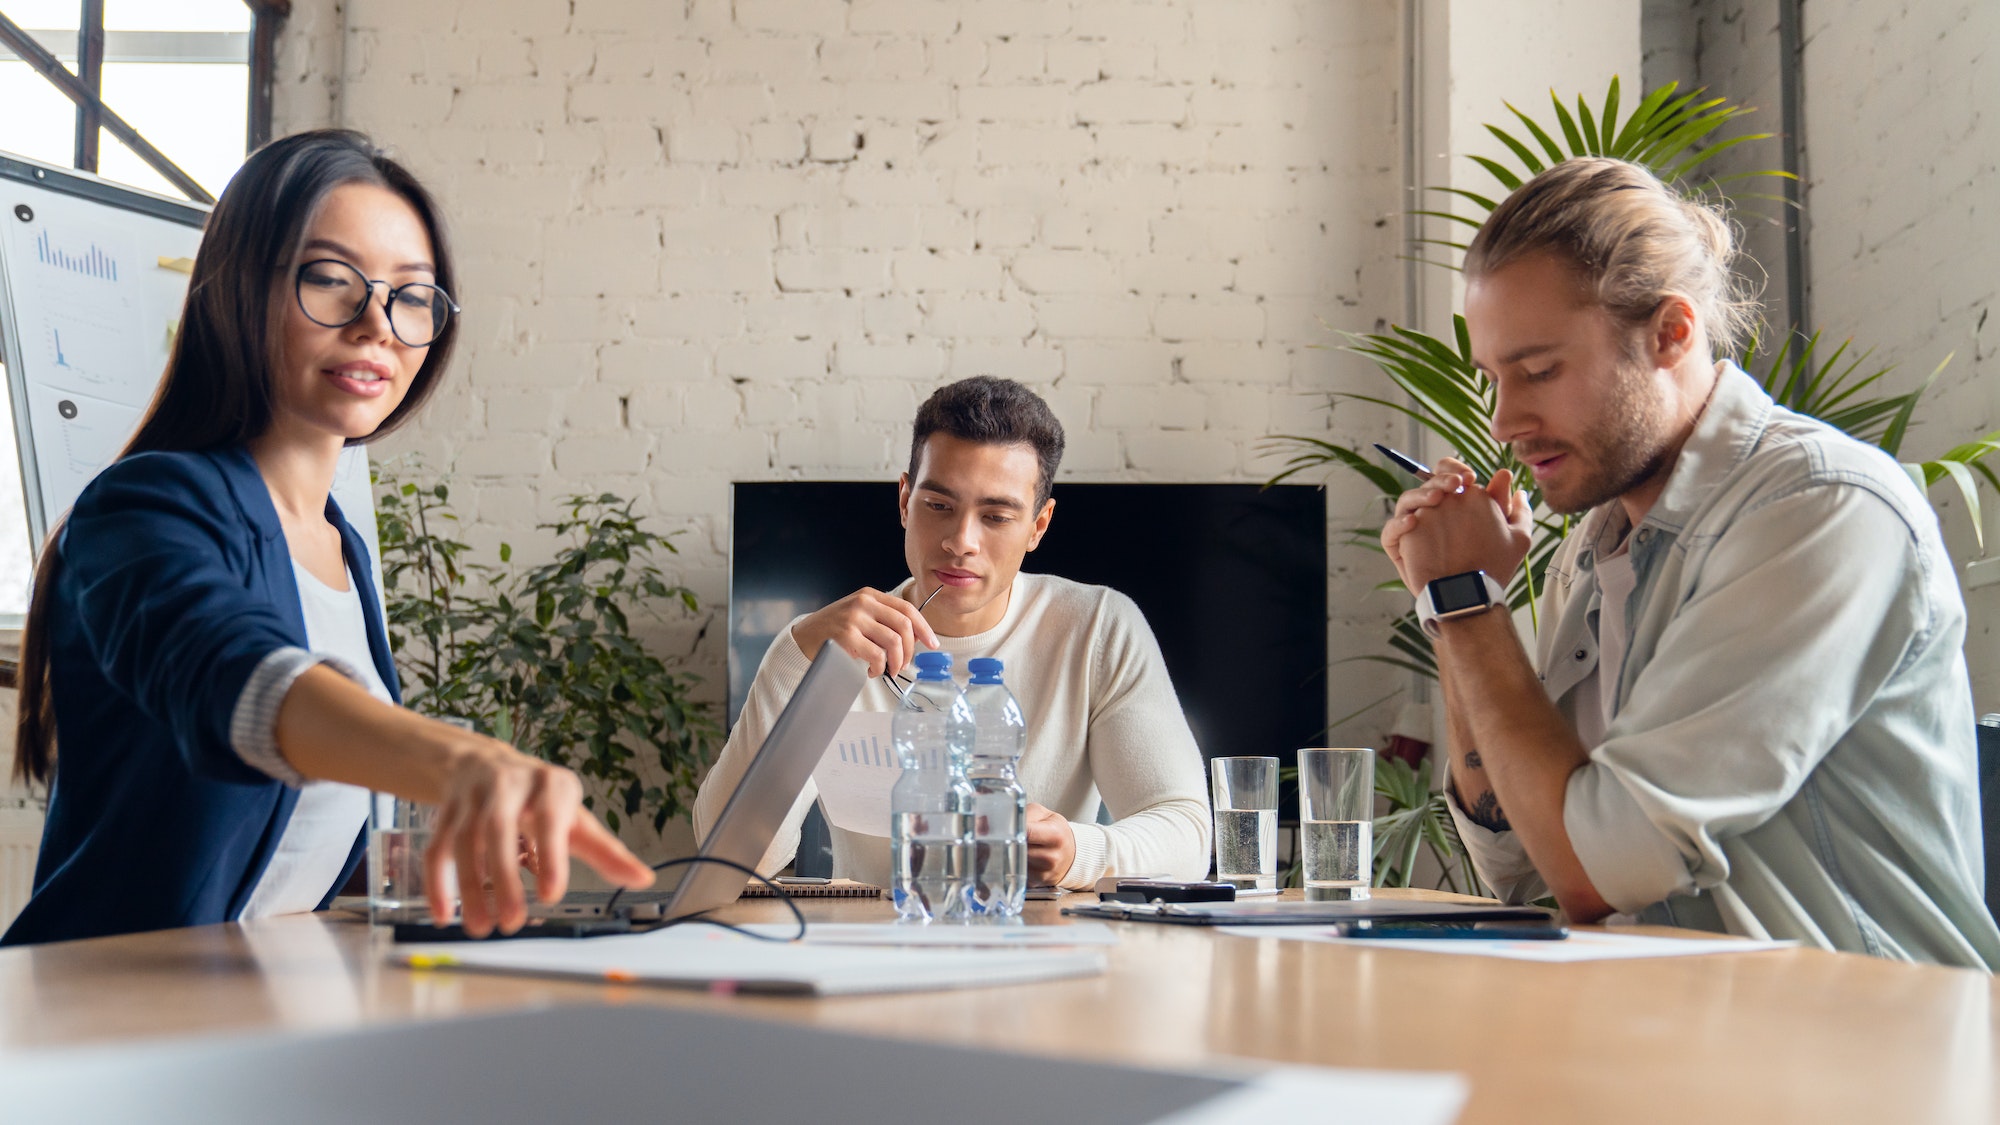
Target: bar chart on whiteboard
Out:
[93,308]
[87,297]
[93,277]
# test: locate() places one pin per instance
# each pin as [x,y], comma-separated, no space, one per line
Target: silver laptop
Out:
[749,822]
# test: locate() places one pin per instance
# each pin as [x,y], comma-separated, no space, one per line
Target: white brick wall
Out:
[773,226]
[1733,47]
[1902,144]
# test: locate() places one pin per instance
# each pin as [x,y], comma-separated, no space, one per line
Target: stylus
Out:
[1410,465]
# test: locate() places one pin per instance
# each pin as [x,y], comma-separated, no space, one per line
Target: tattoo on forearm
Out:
[1485,812]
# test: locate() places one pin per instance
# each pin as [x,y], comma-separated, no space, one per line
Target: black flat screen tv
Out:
[1231,577]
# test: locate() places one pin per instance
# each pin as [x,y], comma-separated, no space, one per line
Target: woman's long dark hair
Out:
[217,389]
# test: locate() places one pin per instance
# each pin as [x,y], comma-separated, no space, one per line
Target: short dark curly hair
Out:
[992,411]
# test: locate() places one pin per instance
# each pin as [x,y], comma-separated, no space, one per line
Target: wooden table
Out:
[1794,1035]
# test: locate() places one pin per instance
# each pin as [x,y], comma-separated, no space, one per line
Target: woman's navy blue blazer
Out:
[176,582]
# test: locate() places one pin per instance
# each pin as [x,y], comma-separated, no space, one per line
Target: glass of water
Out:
[1337,817]
[1246,821]
[399,832]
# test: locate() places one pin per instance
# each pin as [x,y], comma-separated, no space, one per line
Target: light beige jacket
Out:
[1791,750]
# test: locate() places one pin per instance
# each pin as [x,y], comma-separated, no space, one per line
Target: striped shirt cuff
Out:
[253,726]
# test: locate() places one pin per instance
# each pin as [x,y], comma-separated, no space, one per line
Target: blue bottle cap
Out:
[985,669]
[934,666]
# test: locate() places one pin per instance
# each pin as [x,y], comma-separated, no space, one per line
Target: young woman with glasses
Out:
[203,636]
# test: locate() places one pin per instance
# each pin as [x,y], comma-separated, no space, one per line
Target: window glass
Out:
[44,15]
[179,72]
[39,121]
[170,15]
[195,113]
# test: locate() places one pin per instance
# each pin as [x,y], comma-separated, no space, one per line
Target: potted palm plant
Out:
[547,657]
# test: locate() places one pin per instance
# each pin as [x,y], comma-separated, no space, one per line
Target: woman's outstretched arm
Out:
[488,795]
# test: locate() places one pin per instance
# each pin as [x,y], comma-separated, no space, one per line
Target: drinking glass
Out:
[1337,818]
[1246,821]
[399,832]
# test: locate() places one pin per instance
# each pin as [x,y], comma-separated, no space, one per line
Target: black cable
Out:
[784,896]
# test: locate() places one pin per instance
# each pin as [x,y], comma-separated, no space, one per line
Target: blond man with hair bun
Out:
[1748,709]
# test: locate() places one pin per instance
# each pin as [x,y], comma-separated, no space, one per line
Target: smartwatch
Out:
[1460,595]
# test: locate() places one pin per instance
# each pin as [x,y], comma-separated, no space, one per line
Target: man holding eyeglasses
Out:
[1103,720]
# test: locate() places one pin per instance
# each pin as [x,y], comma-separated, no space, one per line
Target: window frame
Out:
[85,87]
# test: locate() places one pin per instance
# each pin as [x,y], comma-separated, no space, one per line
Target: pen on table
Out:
[1408,464]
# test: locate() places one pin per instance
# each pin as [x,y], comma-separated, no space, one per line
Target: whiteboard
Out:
[92,279]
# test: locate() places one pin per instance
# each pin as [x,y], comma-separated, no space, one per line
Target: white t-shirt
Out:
[329,814]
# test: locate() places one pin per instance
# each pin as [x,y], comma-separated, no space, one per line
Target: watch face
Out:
[1459,592]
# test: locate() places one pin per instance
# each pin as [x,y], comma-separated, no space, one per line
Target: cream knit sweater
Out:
[1103,720]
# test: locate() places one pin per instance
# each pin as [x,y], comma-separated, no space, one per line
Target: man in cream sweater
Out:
[1103,720]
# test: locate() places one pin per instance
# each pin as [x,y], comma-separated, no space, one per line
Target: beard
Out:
[1629,447]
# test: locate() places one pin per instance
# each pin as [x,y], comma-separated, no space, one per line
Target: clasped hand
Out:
[1452,524]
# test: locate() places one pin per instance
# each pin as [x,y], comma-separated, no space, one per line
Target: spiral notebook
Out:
[839,888]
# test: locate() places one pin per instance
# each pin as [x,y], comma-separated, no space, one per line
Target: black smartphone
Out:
[1163,890]
[1550,930]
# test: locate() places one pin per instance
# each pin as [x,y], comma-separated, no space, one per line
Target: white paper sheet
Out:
[696,955]
[1581,945]
[898,933]
[856,773]
[1349,1097]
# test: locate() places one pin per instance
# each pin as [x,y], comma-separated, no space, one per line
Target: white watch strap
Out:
[1427,614]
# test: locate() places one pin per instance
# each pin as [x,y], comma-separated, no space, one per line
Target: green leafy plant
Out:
[1671,133]
[1418,819]
[1665,132]
[546,658]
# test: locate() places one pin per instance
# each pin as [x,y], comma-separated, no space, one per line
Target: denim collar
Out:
[1729,430]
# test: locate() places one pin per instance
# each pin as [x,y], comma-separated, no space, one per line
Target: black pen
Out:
[1410,465]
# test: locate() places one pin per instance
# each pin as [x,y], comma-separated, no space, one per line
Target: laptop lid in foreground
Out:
[776,777]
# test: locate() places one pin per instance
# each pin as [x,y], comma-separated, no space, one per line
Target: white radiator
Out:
[20,838]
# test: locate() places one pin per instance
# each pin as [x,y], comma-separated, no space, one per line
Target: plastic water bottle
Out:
[991,735]
[927,806]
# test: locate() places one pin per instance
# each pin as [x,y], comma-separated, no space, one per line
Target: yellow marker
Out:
[432,961]
[178,265]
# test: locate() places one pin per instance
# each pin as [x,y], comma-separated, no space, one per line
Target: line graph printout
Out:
[89,349]
[80,434]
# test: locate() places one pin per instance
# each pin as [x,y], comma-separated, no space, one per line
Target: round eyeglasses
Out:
[334,294]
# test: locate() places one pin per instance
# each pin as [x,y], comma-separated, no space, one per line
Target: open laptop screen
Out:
[776,777]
